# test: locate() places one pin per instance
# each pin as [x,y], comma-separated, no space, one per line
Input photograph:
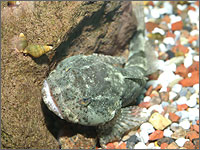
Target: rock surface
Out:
[72,28]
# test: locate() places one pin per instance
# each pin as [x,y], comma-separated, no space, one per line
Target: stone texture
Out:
[172,146]
[72,28]
[173,117]
[189,145]
[159,122]
[192,135]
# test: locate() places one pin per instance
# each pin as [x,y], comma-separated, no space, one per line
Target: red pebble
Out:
[110,146]
[194,79]
[149,91]
[195,128]
[150,26]
[197,121]
[163,145]
[122,146]
[173,117]
[192,135]
[194,67]
[170,34]
[145,104]
[182,107]
[158,134]
[189,145]
[181,70]
[177,25]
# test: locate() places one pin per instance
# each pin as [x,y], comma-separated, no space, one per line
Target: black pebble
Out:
[132,141]
[165,140]
[170,54]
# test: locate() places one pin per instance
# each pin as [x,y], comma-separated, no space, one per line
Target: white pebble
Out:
[147,99]
[177,33]
[151,146]
[168,7]
[183,114]
[189,74]
[169,66]
[182,7]
[181,100]
[167,132]
[167,115]
[185,124]
[147,127]
[188,61]
[193,16]
[144,136]
[158,108]
[194,43]
[196,58]
[163,89]
[175,18]
[194,32]
[166,77]
[193,100]
[155,13]
[172,95]
[154,83]
[193,113]
[140,145]
[158,30]
[181,141]
[177,88]
[162,47]
[196,87]
[169,40]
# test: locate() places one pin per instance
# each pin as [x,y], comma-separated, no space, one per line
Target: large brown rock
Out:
[72,28]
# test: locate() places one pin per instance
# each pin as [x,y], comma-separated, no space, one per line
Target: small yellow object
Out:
[156,144]
[36,50]
[68,69]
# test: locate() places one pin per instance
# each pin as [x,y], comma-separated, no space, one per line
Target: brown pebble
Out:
[192,135]
[179,132]
[149,91]
[196,143]
[189,145]
[164,96]
[173,145]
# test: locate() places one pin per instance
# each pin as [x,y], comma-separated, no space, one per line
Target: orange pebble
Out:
[122,146]
[110,146]
[158,87]
[163,145]
[149,90]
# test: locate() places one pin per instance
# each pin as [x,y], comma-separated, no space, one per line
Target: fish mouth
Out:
[49,100]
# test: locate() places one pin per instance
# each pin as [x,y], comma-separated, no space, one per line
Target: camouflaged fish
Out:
[94,91]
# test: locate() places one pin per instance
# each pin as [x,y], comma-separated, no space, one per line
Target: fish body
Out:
[94,91]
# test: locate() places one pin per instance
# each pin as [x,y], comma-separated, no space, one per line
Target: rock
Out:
[179,132]
[177,88]
[193,100]
[155,100]
[196,88]
[147,127]
[195,128]
[172,95]
[185,124]
[173,117]
[194,79]
[147,99]
[196,143]
[189,145]
[157,108]
[183,114]
[110,146]
[145,104]
[158,121]
[182,107]
[183,92]
[193,113]
[173,145]
[132,141]
[164,145]
[150,26]
[169,40]
[149,90]
[167,132]
[181,141]
[162,47]
[182,70]
[144,136]
[165,140]
[164,96]
[177,25]
[171,108]
[140,145]
[158,30]
[192,135]
[194,67]
[158,134]
[188,61]
[181,100]
[164,104]
[121,146]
